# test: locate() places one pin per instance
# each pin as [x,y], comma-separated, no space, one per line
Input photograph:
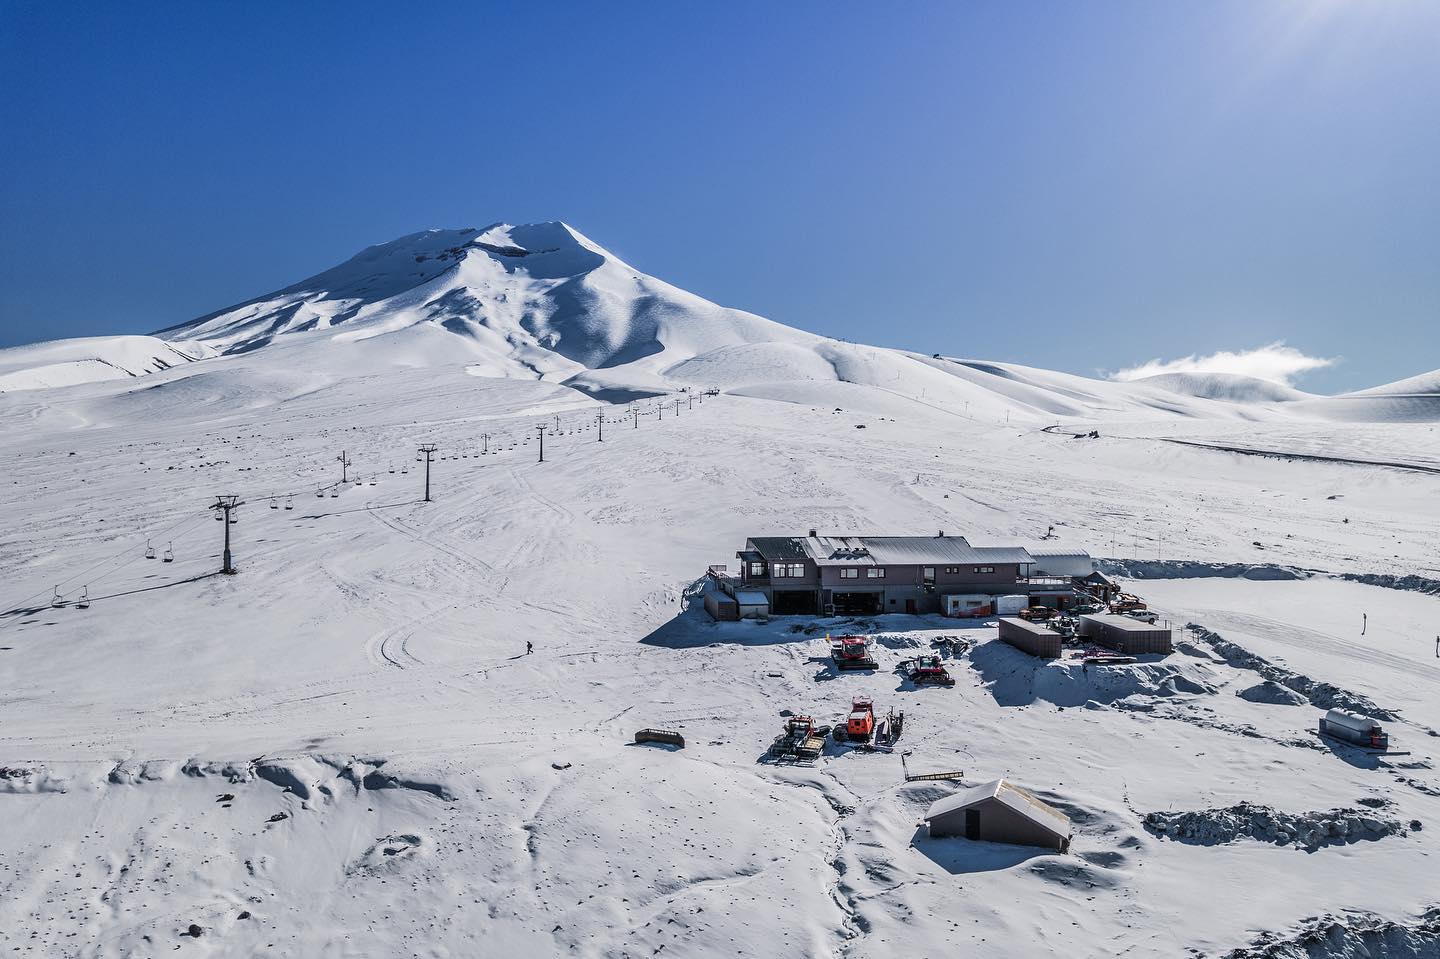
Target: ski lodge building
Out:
[868,575]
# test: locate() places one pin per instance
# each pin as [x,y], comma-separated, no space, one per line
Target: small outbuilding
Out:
[721,606]
[1032,638]
[752,603]
[1127,635]
[1000,811]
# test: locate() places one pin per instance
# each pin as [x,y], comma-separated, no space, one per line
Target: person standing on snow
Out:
[529,647]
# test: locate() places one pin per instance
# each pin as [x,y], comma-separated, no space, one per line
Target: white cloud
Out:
[1276,362]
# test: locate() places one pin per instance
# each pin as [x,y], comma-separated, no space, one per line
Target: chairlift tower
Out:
[600,426]
[485,439]
[344,465]
[428,450]
[636,413]
[541,431]
[223,506]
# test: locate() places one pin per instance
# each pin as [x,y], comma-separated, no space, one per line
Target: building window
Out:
[757,569]
[929,574]
[984,569]
[850,573]
[952,570]
[875,572]
[792,570]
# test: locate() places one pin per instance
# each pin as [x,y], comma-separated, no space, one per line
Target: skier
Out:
[529,647]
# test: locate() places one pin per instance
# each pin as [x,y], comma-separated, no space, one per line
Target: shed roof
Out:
[1017,799]
[750,597]
[1127,623]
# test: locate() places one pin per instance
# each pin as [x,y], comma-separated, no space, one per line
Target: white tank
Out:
[1354,722]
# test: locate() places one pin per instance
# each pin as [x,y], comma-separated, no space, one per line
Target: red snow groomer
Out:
[851,652]
[928,671]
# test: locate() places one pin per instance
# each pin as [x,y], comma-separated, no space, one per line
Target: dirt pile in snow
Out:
[1364,936]
[1185,569]
[1309,830]
[1419,584]
[1323,695]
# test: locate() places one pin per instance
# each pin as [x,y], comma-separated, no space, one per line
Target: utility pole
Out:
[600,426]
[429,450]
[541,430]
[225,504]
[344,464]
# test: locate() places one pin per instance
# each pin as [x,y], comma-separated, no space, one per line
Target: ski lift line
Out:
[129,548]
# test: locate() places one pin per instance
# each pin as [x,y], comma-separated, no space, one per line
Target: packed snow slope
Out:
[92,359]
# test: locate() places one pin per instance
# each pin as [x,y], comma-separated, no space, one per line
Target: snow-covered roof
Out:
[1052,552]
[1012,796]
[750,597]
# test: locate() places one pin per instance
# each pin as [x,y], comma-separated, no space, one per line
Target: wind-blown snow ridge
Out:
[92,359]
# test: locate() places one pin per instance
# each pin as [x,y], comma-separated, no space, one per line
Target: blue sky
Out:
[1080,186]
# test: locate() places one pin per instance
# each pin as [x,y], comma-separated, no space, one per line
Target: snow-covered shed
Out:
[1000,811]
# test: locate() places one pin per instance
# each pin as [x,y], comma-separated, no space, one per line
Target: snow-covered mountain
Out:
[544,302]
[539,301]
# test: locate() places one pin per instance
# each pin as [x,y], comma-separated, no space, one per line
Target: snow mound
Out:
[1272,693]
[92,359]
[1310,830]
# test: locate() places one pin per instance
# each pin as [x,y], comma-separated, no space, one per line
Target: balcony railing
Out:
[1056,581]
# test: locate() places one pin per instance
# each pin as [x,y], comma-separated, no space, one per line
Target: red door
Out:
[910,606]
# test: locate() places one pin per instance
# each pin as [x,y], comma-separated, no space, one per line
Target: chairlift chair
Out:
[84,601]
[149,550]
[334,492]
[169,556]
[57,600]
[289,502]
[320,492]
[273,504]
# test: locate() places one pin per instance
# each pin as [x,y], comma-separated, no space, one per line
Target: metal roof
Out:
[750,597]
[886,551]
[1056,553]
[785,548]
[1013,797]
[1005,554]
